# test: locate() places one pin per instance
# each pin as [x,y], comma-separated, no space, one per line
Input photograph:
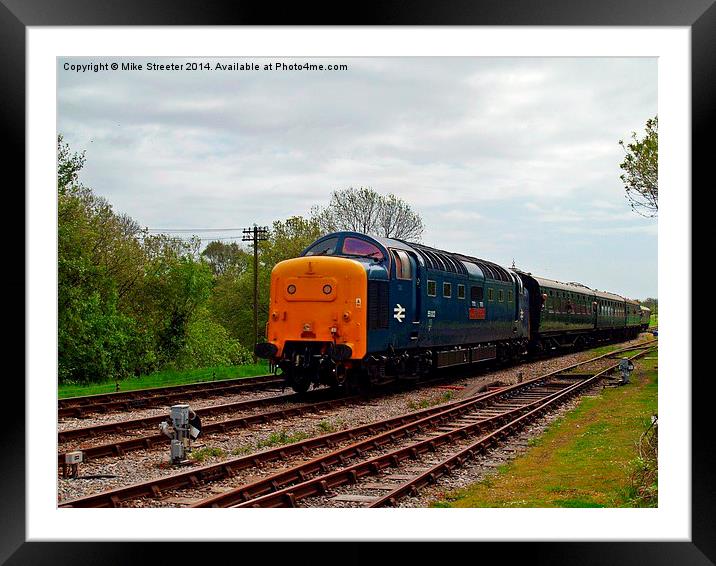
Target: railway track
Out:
[474,427]
[162,396]
[363,439]
[144,442]
[312,402]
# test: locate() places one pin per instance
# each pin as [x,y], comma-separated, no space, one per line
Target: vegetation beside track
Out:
[165,378]
[170,377]
[587,458]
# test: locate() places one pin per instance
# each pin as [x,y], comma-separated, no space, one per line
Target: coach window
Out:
[403,269]
[490,294]
[432,288]
[461,291]
[447,290]
[500,295]
[510,296]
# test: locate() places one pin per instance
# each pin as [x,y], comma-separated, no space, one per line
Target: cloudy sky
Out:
[504,158]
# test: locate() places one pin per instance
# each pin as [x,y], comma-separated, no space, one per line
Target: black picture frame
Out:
[698,15]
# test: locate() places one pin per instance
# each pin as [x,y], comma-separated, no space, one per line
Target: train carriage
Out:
[610,311]
[566,313]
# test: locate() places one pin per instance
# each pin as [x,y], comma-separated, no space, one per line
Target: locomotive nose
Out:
[318,300]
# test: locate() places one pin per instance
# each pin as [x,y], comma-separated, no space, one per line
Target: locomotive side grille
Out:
[377,304]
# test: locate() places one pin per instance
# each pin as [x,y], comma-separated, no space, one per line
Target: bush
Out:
[209,344]
[98,343]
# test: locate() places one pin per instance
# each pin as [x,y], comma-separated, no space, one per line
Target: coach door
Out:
[417,297]
[406,300]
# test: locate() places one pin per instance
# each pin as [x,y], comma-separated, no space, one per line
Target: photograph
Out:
[357,282]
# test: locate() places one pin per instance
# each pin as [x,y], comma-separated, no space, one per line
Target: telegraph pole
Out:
[256,234]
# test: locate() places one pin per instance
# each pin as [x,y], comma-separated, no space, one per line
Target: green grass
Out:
[281,438]
[164,378]
[326,426]
[204,453]
[587,458]
[654,320]
[426,403]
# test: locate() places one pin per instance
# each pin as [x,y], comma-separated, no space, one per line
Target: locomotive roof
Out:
[442,260]
[435,258]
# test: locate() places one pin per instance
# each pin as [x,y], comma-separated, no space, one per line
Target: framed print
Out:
[214,166]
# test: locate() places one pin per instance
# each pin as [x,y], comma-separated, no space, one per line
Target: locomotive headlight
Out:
[291,289]
[327,289]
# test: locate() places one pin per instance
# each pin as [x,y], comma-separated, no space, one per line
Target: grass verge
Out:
[587,458]
[165,378]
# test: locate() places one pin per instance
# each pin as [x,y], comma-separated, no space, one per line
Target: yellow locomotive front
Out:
[316,326]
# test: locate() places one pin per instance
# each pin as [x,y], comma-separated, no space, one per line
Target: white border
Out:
[671,521]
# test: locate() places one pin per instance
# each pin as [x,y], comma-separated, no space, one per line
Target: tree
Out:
[640,165]
[367,211]
[128,302]
[222,257]
[69,165]
[175,287]
[99,258]
[287,239]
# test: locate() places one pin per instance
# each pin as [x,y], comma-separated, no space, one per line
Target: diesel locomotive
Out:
[356,310]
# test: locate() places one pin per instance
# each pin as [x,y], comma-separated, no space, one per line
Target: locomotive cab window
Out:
[461,291]
[447,290]
[500,295]
[432,288]
[510,296]
[361,248]
[326,247]
[403,268]
[490,294]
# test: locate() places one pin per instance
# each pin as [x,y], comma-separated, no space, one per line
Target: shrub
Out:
[208,344]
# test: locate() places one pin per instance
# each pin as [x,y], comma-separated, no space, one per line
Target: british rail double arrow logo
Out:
[399,312]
